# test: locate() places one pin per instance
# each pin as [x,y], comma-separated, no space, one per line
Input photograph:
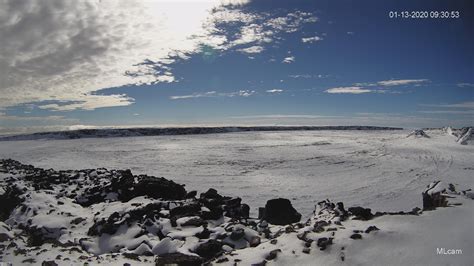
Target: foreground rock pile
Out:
[114,217]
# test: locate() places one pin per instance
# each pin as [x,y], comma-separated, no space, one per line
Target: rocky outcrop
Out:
[9,200]
[280,212]
[466,136]
[137,218]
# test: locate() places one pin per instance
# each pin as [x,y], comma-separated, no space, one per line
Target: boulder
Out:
[9,201]
[361,213]
[433,196]
[209,249]
[280,212]
[178,259]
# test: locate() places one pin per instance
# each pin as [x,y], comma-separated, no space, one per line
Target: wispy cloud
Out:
[467,105]
[456,112]
[252,49]
[275,91]
[347,90]
[465,85]
[308,76]
[311,39]
[6,117]
[240,93]
[279,116]
[462,108]
[288,60]
[399,82]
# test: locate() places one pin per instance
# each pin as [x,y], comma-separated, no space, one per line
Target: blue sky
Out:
[238,63]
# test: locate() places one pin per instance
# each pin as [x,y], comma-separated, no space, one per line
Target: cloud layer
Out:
[63,52]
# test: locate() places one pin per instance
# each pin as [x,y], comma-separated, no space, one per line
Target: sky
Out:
[119,63]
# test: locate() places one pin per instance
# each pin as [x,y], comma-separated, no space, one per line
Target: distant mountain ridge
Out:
[138,132]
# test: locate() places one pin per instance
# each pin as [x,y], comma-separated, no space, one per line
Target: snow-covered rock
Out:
[48,224]
[418,133]
[466,136]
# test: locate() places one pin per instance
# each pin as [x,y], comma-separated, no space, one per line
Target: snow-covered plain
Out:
[382,170]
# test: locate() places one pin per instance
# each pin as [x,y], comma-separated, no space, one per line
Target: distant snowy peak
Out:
[136,132]
[418,133]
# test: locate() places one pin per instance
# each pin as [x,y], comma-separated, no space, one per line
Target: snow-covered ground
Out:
[383,170]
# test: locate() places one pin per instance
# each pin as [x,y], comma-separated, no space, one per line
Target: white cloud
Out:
[465,85]
[243,93]
[196,95]
[467,105]
[292,22]
[240,93]
[311,39]
[252,49]
[275,91]
[348,90]
[288,60]
[65,51]
[398,82]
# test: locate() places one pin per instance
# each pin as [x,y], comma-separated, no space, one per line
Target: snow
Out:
[382,170]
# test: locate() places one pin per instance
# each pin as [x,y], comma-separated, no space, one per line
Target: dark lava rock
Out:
[191,194]
[323,242]
[178,259]
[9,201]
[254,241]
[280,212]
[115,220]
[341,212]
[49,263]
[235,209]
[273,254]
[185,210]
[222,260]
[78,220]
[209,249]
[361,213]
[319,226]
[214,213]
[432,200]
[196,221]
[204,234]
[306,250]
[371,228]
[237,234]
[128,186]
[4,237]
[156,188]
[356,236]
